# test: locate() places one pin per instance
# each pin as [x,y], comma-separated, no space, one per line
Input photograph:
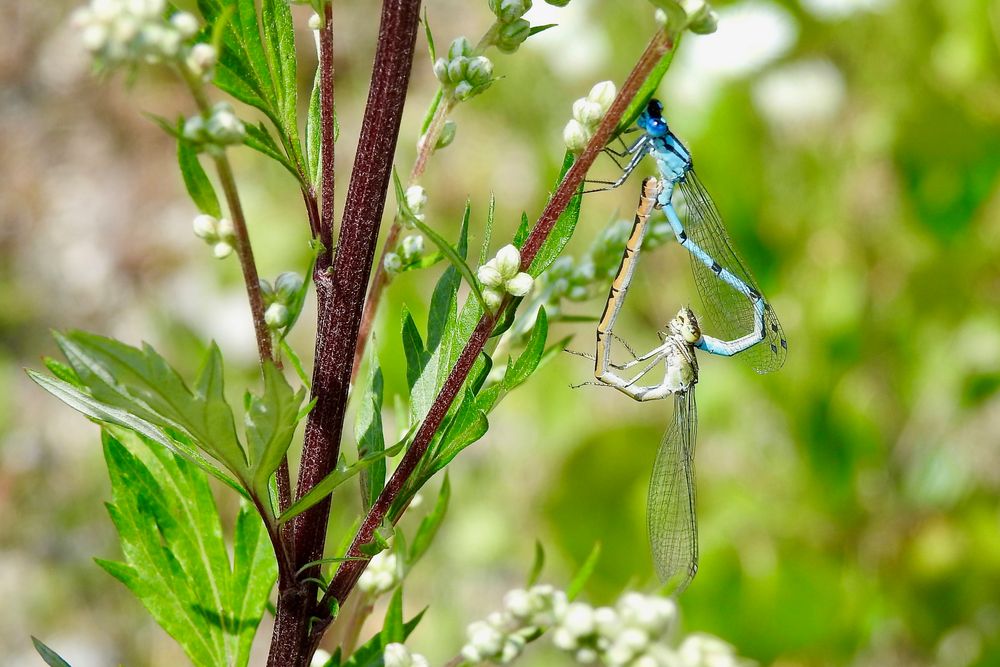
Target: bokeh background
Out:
[848,504]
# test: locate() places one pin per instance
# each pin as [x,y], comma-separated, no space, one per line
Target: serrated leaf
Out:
[141,382]
[81,402]
[248,34]
[196,180]
[270,424]
[484,251]
[279,42]
[254,573]
[537,565]
[51,658]
[429,524]
[563,229]
[368,433]
[584,573]
[521,370]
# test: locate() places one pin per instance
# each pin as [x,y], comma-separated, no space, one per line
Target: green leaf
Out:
[537,565]
[457,260]
[247,32]
[51,658]
[142,383]
[196,180]
[279,41]
[81,402]
[270,424]
[413,348]
[523,229]
[314,131]
[429,524]
[584,573]
[370,654]
[368,433]
[176,561]
[649,86]
[484,251]
[254,574]
[430,37]
[259,139]
[341,474]
[467,426]
[521,370]
[392,627]
[535,29]
[563,230]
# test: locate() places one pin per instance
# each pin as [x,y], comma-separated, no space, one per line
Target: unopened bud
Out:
[587,112]
[315,22]
[287,285]
[221,250]
[508,11]
[603,94]
[276,315]
[459,47]
[205,226]
[447,134]
[576,136]
[201,59]
[392,263]
[512,35]
[479,71]
[186,24]
[508,261]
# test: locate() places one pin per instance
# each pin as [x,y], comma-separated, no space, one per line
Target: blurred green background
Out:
[849,506]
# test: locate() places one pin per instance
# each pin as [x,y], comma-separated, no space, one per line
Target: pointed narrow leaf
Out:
[392,627]
[584,573]
[368,433]
[196,180]
[51,658]
[413,348]
[537,565]
[563,230]
[429,524]
[521,370]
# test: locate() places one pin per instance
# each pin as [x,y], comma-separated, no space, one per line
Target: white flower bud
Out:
[396,655]
[493,298]
[225,229]
[315,22]
[224,127]
[579,619]
[564,639]
[634,638]
[194,129]
[508,261]
[519,285]
[205,227]
[416,501]
[489,276]
[703,650]
[517,601]
[587,112]
[463,91]
[95,37]
[186,24]
[221,250]
[603,94]
[486,639]
[460,46]
[586,656]
[441,70]
[416,199]
[479,71]
[276,315]
[381,574]
[320,658]
[201,59]
[287,285]
[576,136]
[417,660]
[606,620]
[413,247]
[393,264]
[512,648]
[456,69]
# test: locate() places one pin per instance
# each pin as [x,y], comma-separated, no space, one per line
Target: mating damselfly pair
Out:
[736,308]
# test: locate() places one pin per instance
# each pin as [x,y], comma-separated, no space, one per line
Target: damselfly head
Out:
[651,119]
[685,325]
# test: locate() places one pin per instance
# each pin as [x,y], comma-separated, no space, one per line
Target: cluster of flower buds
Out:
[694,15]
[462,72]
[397,655]
[590,276]
[218,233]
[279,298]
[381,575]
[511,29]
[587,114]
[502,275]
[221,128]
[503,635]
[121,32]
[408,253]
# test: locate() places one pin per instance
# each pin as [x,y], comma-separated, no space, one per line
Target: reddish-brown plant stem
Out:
[341,279]
[326,126]
[347,575]
[381,279]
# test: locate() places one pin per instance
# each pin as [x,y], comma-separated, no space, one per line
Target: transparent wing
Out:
[730,312]
[670,518]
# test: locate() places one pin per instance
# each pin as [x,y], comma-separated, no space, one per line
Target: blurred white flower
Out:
[838,9]
[381,575]
[702,650]
[397,655]
[320,658]
[801,95]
